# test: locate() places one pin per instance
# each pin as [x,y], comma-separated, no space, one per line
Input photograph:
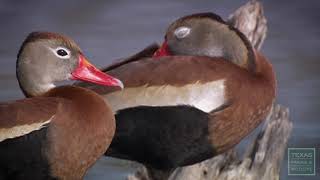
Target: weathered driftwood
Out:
[262,159]
[250,20]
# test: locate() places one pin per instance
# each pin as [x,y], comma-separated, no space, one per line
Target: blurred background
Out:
[107,30]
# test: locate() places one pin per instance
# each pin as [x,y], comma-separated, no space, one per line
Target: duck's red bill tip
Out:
[87,72]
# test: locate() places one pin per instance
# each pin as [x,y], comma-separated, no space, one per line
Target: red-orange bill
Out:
[87,72]
[162,51]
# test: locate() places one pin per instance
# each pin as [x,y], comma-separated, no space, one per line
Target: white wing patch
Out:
[206,96]
[17,131]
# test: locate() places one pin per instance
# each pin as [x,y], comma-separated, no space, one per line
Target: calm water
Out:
[107,30]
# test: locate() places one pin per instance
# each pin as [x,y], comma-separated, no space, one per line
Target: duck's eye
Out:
[62,52]
[182,32]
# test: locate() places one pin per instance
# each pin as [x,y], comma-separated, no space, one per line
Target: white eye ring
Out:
[182,32]
[61,52]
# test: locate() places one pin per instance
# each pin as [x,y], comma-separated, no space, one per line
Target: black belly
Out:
[162,137]
[23,158]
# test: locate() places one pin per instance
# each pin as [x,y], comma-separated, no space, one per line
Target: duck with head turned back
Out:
[204,90]
[206,34]
[59,132]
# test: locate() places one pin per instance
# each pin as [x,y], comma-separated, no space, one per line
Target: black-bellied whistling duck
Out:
[62,131]
[178,110]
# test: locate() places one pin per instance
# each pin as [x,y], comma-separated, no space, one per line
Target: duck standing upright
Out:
[204,91]
[62,131]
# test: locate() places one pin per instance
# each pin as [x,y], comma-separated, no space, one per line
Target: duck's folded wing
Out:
[18,118]
[200,82]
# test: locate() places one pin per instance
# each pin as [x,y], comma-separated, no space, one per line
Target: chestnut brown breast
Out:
[70,127]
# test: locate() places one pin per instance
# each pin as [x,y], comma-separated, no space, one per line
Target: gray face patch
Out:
[182,32]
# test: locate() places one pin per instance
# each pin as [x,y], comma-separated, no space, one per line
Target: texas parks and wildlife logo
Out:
[301,161]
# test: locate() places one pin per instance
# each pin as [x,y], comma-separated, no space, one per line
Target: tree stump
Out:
[262,159]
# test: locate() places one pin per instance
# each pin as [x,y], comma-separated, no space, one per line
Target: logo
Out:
[301,161]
